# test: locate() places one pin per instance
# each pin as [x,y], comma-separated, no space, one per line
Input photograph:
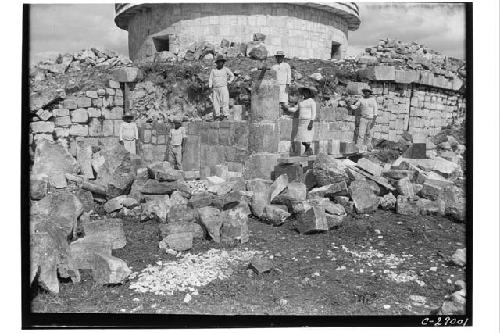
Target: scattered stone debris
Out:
[189,272]
[261,264]
[459,257]
[454,303]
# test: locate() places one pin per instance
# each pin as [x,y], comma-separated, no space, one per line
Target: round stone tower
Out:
[303,30]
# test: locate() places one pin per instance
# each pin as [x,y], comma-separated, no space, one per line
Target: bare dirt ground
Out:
[370,265]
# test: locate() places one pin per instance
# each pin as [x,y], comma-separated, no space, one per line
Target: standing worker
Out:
[177,139]
[219,78]
[307,114]
[368,108]
[284,77]
[129,133]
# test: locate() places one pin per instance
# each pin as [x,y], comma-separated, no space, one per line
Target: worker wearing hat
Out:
[307,114]
[284,77]
[129,133]
[220,77]
[368,109]
[177,140]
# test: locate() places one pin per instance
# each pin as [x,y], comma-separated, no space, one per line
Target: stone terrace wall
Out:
[89,116]
[208,144]
[95,116]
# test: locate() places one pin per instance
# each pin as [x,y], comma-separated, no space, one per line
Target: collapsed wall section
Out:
[408,102]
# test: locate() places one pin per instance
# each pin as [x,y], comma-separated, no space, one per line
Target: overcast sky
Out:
[63,28]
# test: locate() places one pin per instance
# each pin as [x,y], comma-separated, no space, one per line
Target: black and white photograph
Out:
[248,164]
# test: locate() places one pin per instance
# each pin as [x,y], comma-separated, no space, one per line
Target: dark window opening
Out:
[161,43]
[335,53]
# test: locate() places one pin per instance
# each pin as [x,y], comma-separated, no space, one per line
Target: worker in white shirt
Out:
[177,139]
[368,109]
[284,77]
[219,78]
[307,113]
[129,133]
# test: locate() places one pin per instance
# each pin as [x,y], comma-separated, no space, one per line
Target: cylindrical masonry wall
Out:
[306,30]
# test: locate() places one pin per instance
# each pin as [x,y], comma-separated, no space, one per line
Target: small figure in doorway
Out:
[129,133]
[177,140]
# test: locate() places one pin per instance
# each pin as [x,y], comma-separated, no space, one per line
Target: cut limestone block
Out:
[109,269]
[275,214]
[278,186]
[365,201]
[312,220]
[212,221]
[369,166]
[127,74]
[261,194]
[234,226]
[167,229]
[179,241]
[294,171]
[84,249]
[407,206]
[108,230]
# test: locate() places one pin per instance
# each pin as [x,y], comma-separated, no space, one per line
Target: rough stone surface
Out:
[55,161]
[84,249]
[407,206]
[459,258]
[114,169]
[261,264]
[369,166]
[329,190]
[109,269]
[365,201]
[326,170]
[388,202]
[405,187]
[278,186]
[179,241]
[60,209]
[163,171]
[275,214]
[38,186]
[260,198]
[152,186]
[181,214]
[176,228]
[234,227]
[211,220]
[119,202]
[156,209]
[49,255]
[106,231]
[312,220]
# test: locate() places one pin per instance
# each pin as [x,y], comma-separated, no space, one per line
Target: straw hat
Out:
[128,114]
[312,89]
[220,57]
[279,53]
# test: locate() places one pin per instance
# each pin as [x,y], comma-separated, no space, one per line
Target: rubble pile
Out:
[78,61]
[204,50]
[66,233]
[411,55]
